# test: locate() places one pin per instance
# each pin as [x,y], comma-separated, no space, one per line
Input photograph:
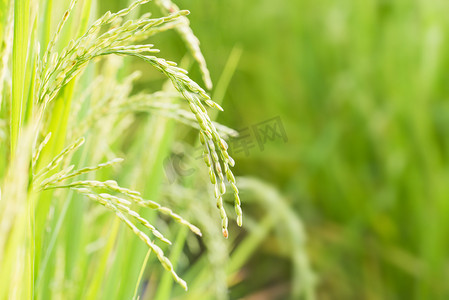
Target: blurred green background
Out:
[361,89]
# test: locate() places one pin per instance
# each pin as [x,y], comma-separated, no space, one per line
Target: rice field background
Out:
[335,113]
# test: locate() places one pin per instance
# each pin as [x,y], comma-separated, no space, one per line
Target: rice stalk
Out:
[19,68]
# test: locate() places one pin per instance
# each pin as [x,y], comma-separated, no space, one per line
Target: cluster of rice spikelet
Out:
[216,155]
[109,35]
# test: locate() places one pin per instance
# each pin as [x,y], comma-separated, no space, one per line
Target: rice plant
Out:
[90,112]
[47,124]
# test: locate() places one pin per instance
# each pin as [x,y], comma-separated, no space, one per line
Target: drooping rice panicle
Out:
[131,194]
[157,250]
[212,141]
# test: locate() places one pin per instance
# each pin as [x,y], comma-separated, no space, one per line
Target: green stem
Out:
[20,47]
